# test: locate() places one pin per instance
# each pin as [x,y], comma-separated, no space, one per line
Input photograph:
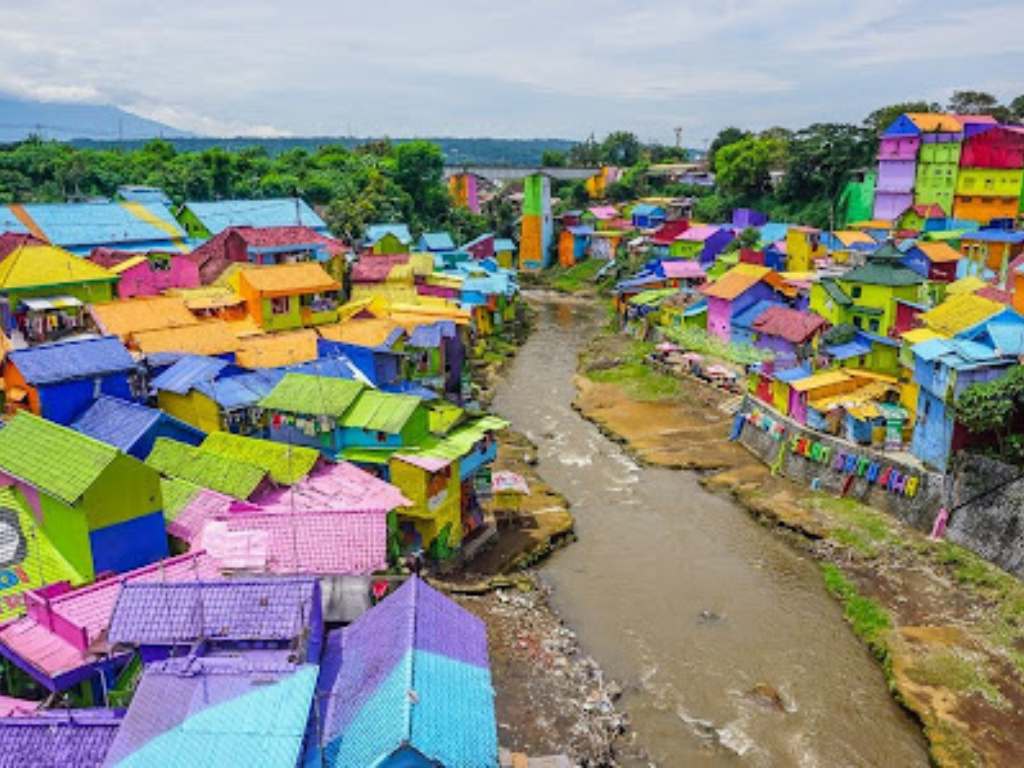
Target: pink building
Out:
[147,274]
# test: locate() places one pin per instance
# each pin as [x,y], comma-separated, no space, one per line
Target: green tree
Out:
[742,168]
[725,137]
[972,103]
[879,120]
[621,148]
[1017,109]
[993,407]
[552,158]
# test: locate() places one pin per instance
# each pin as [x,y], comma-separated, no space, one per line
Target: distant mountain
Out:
[20,118]
[482,151]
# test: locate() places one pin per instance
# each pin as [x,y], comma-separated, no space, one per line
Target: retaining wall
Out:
[993,525]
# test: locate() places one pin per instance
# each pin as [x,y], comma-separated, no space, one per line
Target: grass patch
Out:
[639,380]
[700,341]
[957,673]
[860,528]
[576,278]
[970,569]
[951,743]
[869,620]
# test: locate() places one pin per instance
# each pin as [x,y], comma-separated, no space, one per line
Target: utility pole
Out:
[679,136]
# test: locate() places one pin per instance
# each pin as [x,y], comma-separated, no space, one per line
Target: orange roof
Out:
[371,332]
[272,350]
[289,279]
[736,281]
[149,313]
[212,337]
[930,122]
[939,252]
[850,236]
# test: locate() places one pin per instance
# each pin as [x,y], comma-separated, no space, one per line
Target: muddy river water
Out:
[689,603]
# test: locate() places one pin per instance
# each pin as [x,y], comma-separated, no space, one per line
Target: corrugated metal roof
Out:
[375,232]
[313,395]
[286,463]
[960,312]
[281,279]
[381,412]
[63,361]
[31,266]
[275,212]
[273,350]
[205,468]
[244,390]
[77,225]
[121,423]
[824,379]
[144,313]
[188,371]
[67,737]
[438,241]
[210,337]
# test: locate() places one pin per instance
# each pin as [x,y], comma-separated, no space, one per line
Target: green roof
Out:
[370,455]
[655,296]
[836,293]
[884,267]
[58,461]
[177,493]
[287,464]
[461,441]
[205,469]
[381,412]
[315,395]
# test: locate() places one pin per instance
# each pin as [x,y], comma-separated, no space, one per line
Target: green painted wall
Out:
[125,490]
[68,529]
[388,244]
[285,321]
[88,293]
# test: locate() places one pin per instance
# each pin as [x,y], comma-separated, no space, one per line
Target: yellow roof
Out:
[371,332]
[872,224]
[207,297]
[389,291]
[245,326]
[736,281]
[968,284]
[850,236]
[272,350]
[127,264]
[352,308]
[824,379]
[858,373]
[212,337]
[917,335]
[931,122]
[287,279]
[147,313]
[960,312]
[422,264]
[30,266]
[939,252]
[870,392]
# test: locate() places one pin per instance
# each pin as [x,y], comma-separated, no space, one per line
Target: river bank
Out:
[947,627]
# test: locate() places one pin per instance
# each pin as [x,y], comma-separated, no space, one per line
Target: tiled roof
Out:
[960,312]
[969,284]
[883,268]
[669,231]
[286,463]
[277,237]
[187,372]
[315,395]
[204,468]
[211,337]
[287,279]
[380,412]
[414,640]
[790,324]
[250,709]
[146,313]
[177,494]
[72,737]
[87,611]
[746,318]
[121,423]
[52,458]
[272,350]
[277,212]
[930,211]
[682,268]
[336,487]
[939,253]
[736,281]
[80,359]
[376,269]
[152,613]
[31,266]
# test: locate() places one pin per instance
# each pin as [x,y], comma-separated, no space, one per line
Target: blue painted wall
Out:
[131,544]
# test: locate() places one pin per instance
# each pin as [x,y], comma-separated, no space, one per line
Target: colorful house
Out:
[481,247]
[403,644]
[203,220]
[387,239]
[199,396]
[803,247]
[375,345]
[43,290]
[921,217]
[60,381]
[647,216]
[379,424]
[784,330]
[857,199]
[897,168]
[307,410]
[848,240]
[128,318]
[573,244]
[435,242]
[505,253]
[815,387]
[147,274]
[289,296]
[464,192]
[960,313]
[79,737]
[742,218]
[664,236]
[433,522]
[702,242]
[267,246]
[935,261]
[865,297]
[275,350]
[741,287]
[131,427]
[992,251]
[98,506]
[991,175]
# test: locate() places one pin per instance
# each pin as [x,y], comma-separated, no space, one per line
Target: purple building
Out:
[74,737]
[897,169]
[748,217]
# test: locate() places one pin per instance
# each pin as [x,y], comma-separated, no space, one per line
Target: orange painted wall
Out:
[984,209]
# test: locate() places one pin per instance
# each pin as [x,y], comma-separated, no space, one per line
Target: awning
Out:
[54,302]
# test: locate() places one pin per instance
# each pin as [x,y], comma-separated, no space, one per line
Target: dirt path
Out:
[947,626]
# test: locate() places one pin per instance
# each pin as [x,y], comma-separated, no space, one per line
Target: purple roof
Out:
[414,617]
[154,613]
[77,738]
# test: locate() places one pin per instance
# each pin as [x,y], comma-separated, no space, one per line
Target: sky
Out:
[531,68]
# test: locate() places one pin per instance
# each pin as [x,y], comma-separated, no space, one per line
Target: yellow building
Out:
[434,521]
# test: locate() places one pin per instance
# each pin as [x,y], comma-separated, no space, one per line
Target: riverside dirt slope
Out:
[947,626]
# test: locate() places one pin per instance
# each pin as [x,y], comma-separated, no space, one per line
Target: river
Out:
[689,603]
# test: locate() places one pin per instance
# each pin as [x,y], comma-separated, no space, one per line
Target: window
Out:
[857,321]
[382,437]
[873,325]
[855,291]
[279,305]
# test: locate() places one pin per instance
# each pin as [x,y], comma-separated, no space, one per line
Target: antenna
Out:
[679,136]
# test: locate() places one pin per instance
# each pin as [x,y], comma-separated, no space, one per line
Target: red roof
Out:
[375,269]
[669,231]
[994,293]
[261,237]
[789,324]
[12,241]
[930,211]
[111,257]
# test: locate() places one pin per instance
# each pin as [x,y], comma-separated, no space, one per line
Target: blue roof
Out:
[188,371]
[746,318]
[122,424]
[854,348]
[334,367]
[375,232]
[877,339]
[996,236]
[431,336]
[1007,336]
[957,353]
[243,390]
[696,308]
[72,225]
[582,230]
[9,222]
[84,358]
[504,244]
[438,241]
[410,388]
[772,232]
[792,374]
[279,212]
[138,193]
[646,209]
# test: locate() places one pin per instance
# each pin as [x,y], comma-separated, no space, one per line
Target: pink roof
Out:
[12,707]
[503,481]
[273,237]
[683,268]
[994,293]
[790,324]
[428,463]
[699,233]
[340,487]
[65,632]
[315,543]
[204,506]
[604,212]
[375,269]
